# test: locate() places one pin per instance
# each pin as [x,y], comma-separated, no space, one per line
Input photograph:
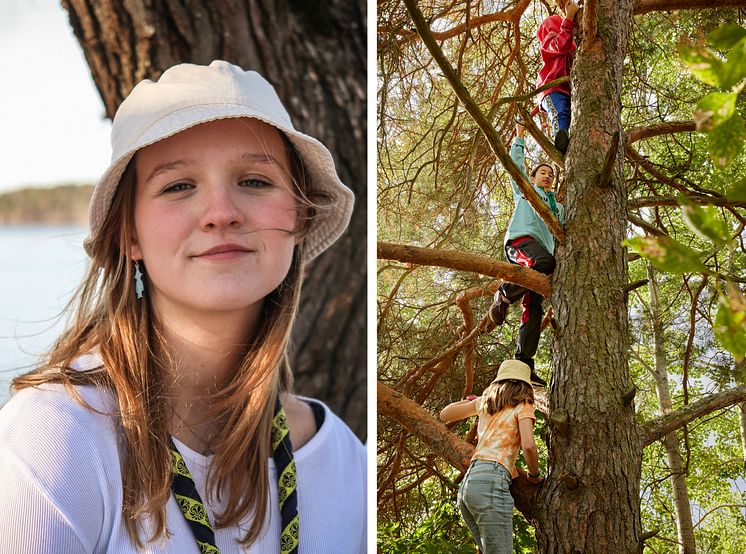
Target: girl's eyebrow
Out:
[249,157]
[168,166]
[263,157]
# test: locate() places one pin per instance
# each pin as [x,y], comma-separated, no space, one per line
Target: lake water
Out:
[40,268]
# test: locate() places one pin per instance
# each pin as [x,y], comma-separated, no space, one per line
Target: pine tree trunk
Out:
[592,499]
[314,53]
[742,428]
[682,508]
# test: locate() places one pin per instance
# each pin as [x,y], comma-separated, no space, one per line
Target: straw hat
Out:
[513,369]
[187,95]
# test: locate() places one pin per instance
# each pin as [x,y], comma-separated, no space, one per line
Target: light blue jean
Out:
[487,507]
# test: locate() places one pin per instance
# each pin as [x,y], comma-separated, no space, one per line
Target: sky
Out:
[52,124]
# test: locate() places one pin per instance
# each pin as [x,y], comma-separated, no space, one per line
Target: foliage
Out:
[65,204]
[716,115]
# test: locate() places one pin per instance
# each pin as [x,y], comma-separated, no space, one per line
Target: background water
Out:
[40,268]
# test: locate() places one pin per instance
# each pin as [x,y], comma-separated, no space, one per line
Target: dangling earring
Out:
[139,286]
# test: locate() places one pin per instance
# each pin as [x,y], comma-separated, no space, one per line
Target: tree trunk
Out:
[592,501]
[682,508]
[742,428]
[315,56]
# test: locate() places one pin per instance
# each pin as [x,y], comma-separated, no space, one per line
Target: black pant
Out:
[530,253]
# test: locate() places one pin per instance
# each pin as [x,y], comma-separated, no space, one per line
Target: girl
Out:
[162,419]
[557,49]
[506,422]
[528,242]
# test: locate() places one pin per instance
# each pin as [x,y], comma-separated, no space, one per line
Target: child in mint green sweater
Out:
[528,242]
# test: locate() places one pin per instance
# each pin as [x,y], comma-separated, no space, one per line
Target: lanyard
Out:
[190,503]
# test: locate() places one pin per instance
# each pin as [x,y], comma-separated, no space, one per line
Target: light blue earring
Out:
[139,286]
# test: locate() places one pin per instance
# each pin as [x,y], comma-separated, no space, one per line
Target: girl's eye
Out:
[178,187]
[255,183]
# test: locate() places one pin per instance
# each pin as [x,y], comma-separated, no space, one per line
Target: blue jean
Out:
[487,507]
[557,106]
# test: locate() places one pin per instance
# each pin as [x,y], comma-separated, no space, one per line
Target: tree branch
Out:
[526,188]
[421,423]
[645,225]
[512,15]
[637,203]
[667,128]
[646,6]
[656,429]
[463,261]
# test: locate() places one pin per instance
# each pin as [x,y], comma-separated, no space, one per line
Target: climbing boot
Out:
[499,309]
[536,380]
[561,141]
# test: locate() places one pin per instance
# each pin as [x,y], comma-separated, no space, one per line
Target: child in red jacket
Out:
[557,49]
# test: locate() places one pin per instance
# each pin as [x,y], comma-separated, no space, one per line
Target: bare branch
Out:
[646,6]
[464,261]
[639,133]
[650,201]
[655,429]
[645,225]
[421,423]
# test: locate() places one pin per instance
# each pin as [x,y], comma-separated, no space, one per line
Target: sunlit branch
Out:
[650,201]
[655,429]
[668,128]
[465,261]
[646,6]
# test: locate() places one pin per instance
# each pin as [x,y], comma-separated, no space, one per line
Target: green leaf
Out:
[726,141]
[703,63]
[714,109]
[667,255]
[730,326]
[706,222]
[738,190]
[733,71]
[726,37]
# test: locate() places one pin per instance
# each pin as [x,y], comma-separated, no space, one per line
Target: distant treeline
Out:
[62,205]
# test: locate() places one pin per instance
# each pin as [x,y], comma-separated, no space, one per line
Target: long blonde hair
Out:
[106,316]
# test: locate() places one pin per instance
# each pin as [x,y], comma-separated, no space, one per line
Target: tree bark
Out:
[595,461]
[315,56]
[682,508]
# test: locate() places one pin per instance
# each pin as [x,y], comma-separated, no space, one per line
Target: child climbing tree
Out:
[452,80]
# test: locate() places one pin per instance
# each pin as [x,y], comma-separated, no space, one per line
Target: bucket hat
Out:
[187,95]
[513,369]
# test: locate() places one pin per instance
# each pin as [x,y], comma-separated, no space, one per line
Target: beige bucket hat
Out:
[187,95]
[513,369]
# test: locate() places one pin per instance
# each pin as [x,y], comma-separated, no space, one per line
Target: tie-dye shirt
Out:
[498,436]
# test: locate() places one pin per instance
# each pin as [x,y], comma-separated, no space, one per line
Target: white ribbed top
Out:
[62,490]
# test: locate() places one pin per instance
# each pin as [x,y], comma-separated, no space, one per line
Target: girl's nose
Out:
[221,208]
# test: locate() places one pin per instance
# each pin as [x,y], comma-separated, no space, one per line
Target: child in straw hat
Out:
[506,422]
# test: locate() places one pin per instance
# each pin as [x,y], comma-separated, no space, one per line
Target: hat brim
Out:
[325,228]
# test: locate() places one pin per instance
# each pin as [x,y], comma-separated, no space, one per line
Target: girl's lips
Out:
[224,252]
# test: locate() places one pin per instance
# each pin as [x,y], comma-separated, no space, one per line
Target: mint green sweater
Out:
[525,221]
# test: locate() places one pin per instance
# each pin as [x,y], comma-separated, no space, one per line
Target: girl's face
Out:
[544,178]
[214,215]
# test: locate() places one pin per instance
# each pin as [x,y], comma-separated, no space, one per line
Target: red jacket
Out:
[557,48]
